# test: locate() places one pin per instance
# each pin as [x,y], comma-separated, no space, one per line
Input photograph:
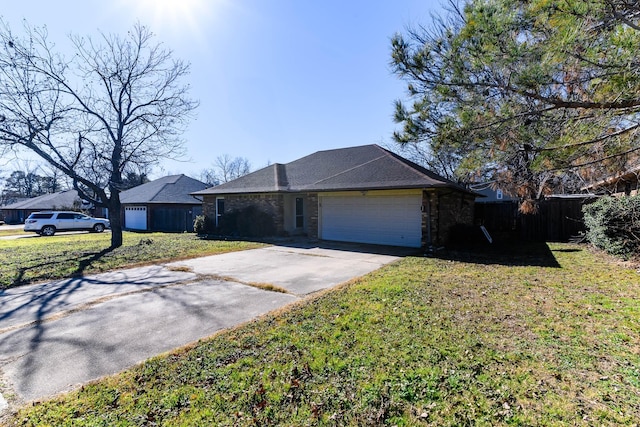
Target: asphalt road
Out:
[57,336]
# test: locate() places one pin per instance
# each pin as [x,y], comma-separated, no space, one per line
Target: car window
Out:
[82,216]
[65,215]
[40,216]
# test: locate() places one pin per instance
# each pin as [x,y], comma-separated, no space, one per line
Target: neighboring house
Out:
[362,194]
[488,194]
[625,183]
[16,213]
[496,210]
[162,205]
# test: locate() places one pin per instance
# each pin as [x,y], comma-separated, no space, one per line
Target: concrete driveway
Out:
[56,336]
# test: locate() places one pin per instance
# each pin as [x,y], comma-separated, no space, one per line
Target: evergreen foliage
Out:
[613,225]
[203,225]
[538,96]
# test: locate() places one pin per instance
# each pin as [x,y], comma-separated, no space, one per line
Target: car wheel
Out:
[98,228]
[48,230]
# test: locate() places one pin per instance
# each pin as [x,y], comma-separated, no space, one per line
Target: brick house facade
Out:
[362,194]
[441,210]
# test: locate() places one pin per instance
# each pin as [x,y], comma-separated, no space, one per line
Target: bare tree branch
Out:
[118,103]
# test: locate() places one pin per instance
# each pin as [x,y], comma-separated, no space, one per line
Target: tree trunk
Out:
[115,218]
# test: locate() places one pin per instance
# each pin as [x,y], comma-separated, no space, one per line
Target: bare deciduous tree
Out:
[116,104]
[226,168]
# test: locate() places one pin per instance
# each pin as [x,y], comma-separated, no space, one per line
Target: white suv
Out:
[47,223]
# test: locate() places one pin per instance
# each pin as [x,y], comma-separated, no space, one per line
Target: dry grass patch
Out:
[268,287]
[260,285]
[180,268]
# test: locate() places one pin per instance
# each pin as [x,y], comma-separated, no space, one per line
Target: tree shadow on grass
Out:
[19,278]
[85,263]
[523,254]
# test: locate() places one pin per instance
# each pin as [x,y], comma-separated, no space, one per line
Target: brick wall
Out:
[312,215]
[442,209]
[455,208]
[445,209]
[272,204]
[209,207]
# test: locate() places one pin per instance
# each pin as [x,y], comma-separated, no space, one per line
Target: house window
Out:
[499,194]
[299,212]
[219,209]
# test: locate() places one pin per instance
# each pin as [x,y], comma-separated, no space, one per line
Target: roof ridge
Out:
[282,181]
[160,188]
[404,163]
[164,183]
[347,170]
[415,167]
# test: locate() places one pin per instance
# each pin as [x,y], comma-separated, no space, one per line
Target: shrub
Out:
[247,222]
[203,225]
[613,224]
[464,235]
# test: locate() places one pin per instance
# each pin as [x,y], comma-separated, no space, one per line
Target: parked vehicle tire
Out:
[98,228]
[48,230]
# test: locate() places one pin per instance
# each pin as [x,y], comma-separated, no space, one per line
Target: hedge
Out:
[613,224]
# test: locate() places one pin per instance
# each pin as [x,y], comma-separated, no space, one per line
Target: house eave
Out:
[628,175]
[147,202]
[312,189]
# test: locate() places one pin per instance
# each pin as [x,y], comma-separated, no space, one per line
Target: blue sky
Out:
[276,79]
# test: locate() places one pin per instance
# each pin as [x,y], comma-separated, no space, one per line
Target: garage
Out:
[377,219]
[363,194]
[135,217]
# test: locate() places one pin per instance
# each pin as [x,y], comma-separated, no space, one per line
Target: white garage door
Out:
[383,220]
[135,217]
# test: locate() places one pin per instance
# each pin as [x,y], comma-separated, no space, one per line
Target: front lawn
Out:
[36,259]
[546,335]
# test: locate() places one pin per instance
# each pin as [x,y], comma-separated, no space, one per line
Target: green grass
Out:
[468,340]
[38,259]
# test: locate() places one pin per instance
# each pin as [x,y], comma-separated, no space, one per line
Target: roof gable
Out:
[616,182]
[51,201]
[364,167]
[272,178]
[173,189]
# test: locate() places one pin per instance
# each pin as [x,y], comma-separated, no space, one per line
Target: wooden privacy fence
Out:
[557,220]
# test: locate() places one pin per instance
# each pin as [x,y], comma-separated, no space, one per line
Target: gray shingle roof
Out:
[366,167]
[173,189]
[63,199]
